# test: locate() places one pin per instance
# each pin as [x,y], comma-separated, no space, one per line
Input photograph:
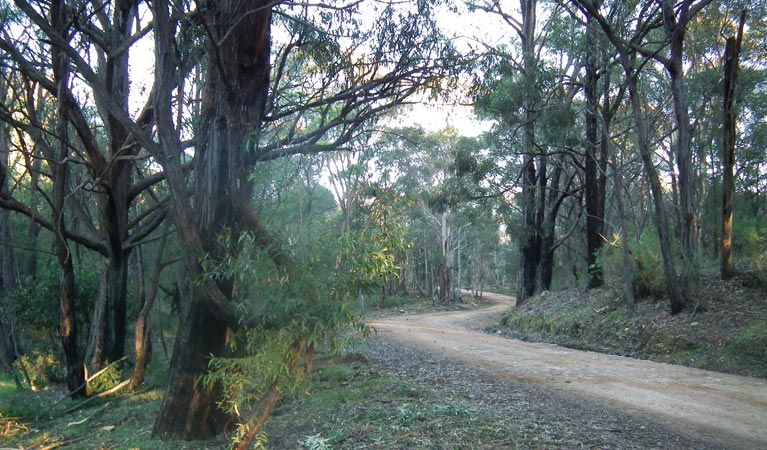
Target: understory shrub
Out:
[39,369]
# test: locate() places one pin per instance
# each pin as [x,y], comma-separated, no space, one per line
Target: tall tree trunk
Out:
[67,291]
[675,32]
[678,301]
[627,271]
[446,265]
[609,100]
[594,218]
[109,315]
[731,57]
[232,113]
[115,203]
[548,227]
[530,242]
[628,60]
[99,333]
[7,280]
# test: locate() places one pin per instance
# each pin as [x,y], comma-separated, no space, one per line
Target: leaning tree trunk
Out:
[677,298]
[627,56]
[233,103]
[731,56]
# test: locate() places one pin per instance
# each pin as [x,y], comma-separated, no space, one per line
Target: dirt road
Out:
[731,409]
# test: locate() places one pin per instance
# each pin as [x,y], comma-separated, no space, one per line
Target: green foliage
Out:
[291,310]
[316,442]
[112,376]
[752,341]
[749,233]
[40,368]
[649,280]
[17,403]
[37,299]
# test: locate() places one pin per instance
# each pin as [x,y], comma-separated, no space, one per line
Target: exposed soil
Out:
[589,400]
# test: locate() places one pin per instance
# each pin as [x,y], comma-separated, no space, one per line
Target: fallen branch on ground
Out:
[99,395]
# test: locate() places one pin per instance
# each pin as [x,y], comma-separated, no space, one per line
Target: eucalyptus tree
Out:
[332,73]
[439,173]
[528,87]
[348,176]
[7,277]
[533,165]
[90,157]
[600,106]
[444,192]
[675,21]
[730,75]
[676,18]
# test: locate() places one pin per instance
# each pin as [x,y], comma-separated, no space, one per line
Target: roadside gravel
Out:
[567,421]
[551,417]
[564,398]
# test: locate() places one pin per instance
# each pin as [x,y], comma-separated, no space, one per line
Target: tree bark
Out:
[530,240]
[628,60]
[677,299]
[548,227]
[99,333]
[675,33]
[731,69]
[592,194]
[190,411]
[115,202]
[231,116]
[67,293]
[7,280]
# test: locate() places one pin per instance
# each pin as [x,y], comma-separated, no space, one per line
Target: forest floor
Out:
[452,379]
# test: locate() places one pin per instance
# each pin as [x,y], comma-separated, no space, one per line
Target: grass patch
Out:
[122,421]
[347,405]
[354,407]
